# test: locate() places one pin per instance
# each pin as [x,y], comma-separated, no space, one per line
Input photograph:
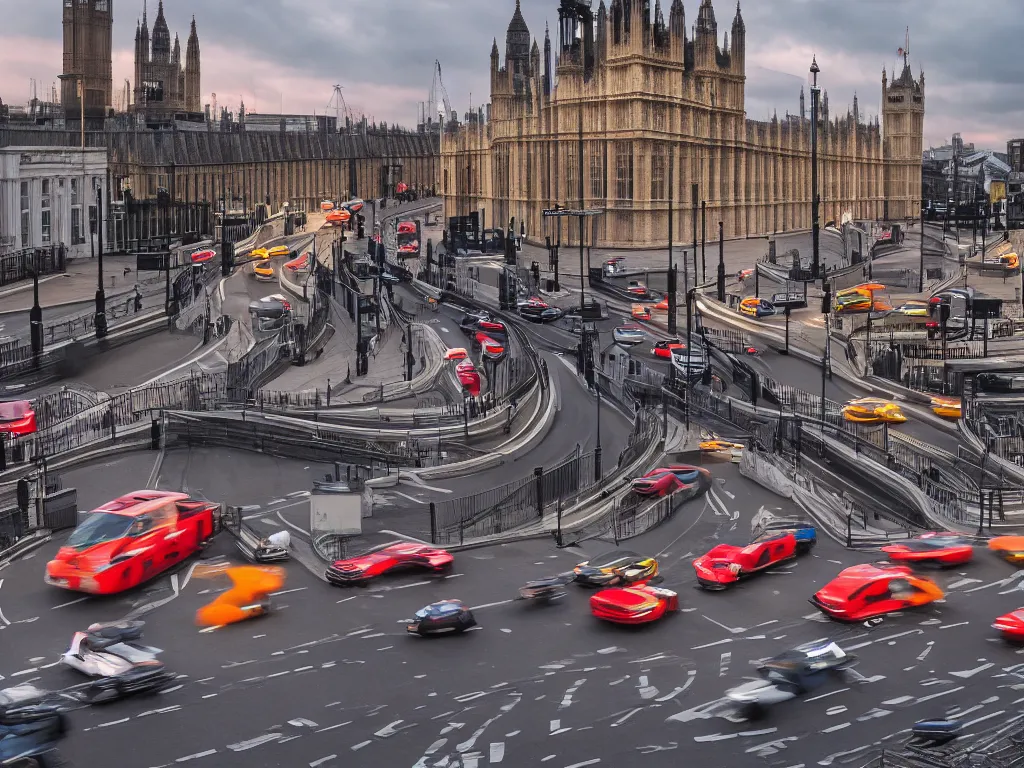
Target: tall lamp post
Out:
[815,91]
[35,319]
[671,278]
[101,296]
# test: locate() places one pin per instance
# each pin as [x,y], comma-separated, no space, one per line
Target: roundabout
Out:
[332,677]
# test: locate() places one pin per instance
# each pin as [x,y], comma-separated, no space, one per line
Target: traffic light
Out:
[826,299]
[360,226]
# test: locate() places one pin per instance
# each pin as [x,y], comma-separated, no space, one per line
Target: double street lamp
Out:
[816,270]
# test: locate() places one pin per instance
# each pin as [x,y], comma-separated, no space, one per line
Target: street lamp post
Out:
[721,264]
[671,282]
[35,319]
[703,241]
[101,297]
[815,266]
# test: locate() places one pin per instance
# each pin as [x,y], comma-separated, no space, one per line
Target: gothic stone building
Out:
[87,57]
[648,97]
[163,88]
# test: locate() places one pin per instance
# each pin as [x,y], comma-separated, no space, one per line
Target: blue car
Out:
[806,535]
[441,617]
[30,726]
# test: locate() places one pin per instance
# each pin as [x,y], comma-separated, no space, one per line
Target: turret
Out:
[161,37]
[176,51]
[495,63]
[193,99]
[660,30]
[706,37]
[739,42]
[803,104]
[547,60]
[601,41]
[677,30]
[535,59]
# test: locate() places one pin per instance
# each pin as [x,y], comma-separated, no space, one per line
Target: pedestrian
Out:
[138,298]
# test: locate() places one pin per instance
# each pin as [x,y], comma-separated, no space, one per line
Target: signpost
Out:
[559,212]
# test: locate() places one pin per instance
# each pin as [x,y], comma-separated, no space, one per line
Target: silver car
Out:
[118,666]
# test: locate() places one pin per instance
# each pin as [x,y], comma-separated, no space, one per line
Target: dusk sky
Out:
[285,54]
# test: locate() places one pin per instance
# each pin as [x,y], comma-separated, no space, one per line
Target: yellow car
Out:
[712,446]
[616,567]
[259,253]
[263,271]
[947,407]
[912,309]
[873,410]
[1010,548]
[641,312]
[279,250]
[755,307]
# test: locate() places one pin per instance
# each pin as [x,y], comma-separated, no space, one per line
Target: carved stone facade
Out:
[649,98]
[88,26]
[163,87]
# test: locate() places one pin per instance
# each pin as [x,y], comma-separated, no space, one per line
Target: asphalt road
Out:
[535,685]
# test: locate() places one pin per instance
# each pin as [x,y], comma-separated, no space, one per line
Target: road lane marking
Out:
[937,695]
[65,605]
[196,756]
[292,525]
[489,605]
[322,760]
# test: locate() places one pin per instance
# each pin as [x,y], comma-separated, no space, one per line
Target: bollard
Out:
[539,474]
[154,435]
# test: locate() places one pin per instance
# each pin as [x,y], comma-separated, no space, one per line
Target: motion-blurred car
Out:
[725,564]
[944,549]
[544,590]
[355,205]
[248,598]
[17,418]
[665,481]
[788,676]
[629,334]
[947,407]
[714,446]
[755,307]
[616,567]
[118,666]
[468,377]
[411,247]
[638,604]
[279,250]
[640,312]
[1010,548]
[912,309]
[338,216]
[442,617]
[493,328]
[873,410]
[1011,625]
[393,558]
[874,589]
[492,348]
[31,725]
[259,253]
[458,353]
[636,288]
[470,320]
[407,227]
[203,256]
[743,274]
[326,205]
[861,298]
[263,271]
[690,362]
[539,314]
[300,263]
[128,541]
[663,349]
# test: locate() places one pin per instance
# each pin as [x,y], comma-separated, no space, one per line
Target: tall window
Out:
[624,171]
[26,215]
[597,171]
[45,205]
[659,165]
[77,235]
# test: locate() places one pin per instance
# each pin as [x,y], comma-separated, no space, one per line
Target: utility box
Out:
[339,513]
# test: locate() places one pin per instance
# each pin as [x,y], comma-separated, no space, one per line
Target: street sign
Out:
[151,262]
[559,212]
[791,300]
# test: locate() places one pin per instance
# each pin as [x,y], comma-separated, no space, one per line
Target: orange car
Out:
[248,598]
[1010,548]
[338,216]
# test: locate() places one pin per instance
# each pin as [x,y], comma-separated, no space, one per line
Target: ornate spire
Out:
[737,22]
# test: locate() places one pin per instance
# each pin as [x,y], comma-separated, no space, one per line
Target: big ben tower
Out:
[87,56]
[902,140]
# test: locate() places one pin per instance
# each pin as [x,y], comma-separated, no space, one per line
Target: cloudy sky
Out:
[288,54]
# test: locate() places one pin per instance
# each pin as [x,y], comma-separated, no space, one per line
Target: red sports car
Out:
[131,539]
[874,589]
[400,556]
[726,564]
[939,548]
[406,227]
[490,327]
[493,350]
[17,418]
[665,481]
[636,604]
[413,246]
[201,257]
[664,348]
[1011,625]
[468,377]
[302,262]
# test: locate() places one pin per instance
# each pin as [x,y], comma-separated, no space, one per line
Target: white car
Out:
[629,334]
[118,666]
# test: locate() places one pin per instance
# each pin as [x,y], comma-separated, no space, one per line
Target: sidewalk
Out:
[77,284]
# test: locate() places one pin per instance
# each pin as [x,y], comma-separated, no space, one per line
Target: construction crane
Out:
[340,107]
[439,101]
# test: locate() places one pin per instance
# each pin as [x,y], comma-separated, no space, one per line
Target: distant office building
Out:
[48,196]
[1015,155]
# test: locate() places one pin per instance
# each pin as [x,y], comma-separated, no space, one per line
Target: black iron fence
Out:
[20,265]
